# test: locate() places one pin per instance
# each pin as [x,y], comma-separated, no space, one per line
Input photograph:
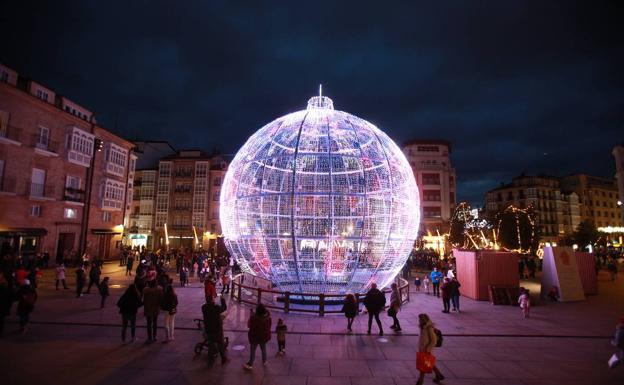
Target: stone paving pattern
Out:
[72,341]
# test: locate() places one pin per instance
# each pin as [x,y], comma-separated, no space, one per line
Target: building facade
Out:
[188,190]
[598,198]
[435,177]
[618,154]
[556,213]
[63,178]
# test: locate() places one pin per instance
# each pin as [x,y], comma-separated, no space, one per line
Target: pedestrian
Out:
[213,327]
[81,279]
[427,341]
[417,282]
[129,264]
[94,277]
[612,267]
[210,290]
[5,301]
[618,343]
[103,291]
[525,302]
[280,331]
[26,297]
[225,281]
[350,310]
[426,285]
[170,307]
[259,325]
[129,303]
[374,302]
[395,307]
[455,285]
[436,280]
[183,276]
[152,300]
[446,295]
[60,276]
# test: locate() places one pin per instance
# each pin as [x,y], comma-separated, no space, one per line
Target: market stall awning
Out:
[22,231]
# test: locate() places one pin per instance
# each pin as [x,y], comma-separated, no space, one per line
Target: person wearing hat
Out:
[26,297]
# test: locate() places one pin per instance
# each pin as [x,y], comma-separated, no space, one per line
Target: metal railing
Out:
[74,195]
[11,132]
[320,306]
[45,144]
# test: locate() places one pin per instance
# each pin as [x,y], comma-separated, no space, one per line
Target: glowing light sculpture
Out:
[320,201]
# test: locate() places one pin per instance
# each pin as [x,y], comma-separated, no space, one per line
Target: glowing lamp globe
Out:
[320,201]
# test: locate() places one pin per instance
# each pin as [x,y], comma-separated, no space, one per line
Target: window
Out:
[43,138]
[69,213]
[4,76]
[428,149]
[163,186]
[41,94]
[201,169]
[431,195]
[115,159]
[35,211]
[432,212]
[162,203]
[215,196]
[4,124]
[431,179]
[165,170]
[80,146]
[113,193]
[217,181]
[106,216]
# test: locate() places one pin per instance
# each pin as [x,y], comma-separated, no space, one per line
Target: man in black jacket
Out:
[374,302]
[213,325]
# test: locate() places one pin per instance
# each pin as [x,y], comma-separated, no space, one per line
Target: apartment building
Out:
[618,154]
[598,198]
[63,178]
[187,200]
[556,213]
[435,177]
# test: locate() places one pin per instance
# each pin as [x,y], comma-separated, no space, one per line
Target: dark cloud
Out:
[516,86]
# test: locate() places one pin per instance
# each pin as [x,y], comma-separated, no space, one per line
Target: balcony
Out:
[42,191]
[8,186]
[44,146]
[183,174]
[182,208]
[181,227]
[10,135]
[74,195]
[183,190]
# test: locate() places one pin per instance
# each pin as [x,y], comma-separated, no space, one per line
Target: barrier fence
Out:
[286,301]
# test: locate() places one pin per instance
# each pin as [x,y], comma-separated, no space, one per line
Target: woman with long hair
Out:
[350,310]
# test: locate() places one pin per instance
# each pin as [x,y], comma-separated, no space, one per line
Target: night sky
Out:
[533,87]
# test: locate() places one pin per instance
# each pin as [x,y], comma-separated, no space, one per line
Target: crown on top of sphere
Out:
[320,102]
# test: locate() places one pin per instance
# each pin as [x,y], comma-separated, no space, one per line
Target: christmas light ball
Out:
[320,201]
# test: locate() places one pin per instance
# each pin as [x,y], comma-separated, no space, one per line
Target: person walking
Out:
[427,341]
[94,277]
[612,267]
[60,276]
[81,279]
[152,300]
[436,280]
[26,298]
[455,285]
[395,307]
[213,327]
[618,343]
[525,302]
[259,325]
[374,302]
[104,293]
[129,264]
[417,282]
[350,310]
[210,289]
[225,281]
[280,331]
[128,304]
[427,284]
[170,307]
[446,289]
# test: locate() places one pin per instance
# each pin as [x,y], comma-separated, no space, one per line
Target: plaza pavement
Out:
[72,341]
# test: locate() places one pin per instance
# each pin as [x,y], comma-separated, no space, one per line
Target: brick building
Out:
[58,193]
[435,177]
[598,198]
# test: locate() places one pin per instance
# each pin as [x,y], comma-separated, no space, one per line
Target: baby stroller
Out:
[213,351]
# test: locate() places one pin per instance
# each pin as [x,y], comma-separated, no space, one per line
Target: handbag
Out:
[392,312]
[425,362]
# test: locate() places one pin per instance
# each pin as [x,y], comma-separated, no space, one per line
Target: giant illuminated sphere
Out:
[320,201]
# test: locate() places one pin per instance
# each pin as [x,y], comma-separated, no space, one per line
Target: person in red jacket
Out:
[259,325]
[210,289]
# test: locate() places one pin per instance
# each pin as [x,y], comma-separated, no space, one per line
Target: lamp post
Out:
[98,144]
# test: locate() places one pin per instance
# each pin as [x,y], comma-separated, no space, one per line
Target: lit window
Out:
[69,213]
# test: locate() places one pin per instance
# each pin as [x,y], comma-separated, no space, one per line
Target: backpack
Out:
[439,337]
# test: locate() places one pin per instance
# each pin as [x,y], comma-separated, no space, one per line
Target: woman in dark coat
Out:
[350,310]
[26,297]
[129,303]
[169,306]
[5,301]
[259,325]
